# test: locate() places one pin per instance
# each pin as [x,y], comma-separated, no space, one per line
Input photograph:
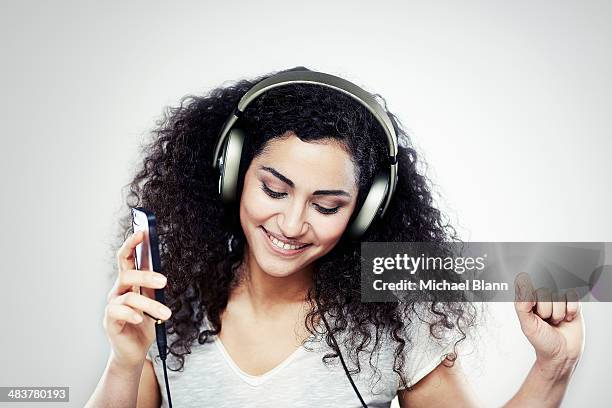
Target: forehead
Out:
[321,164]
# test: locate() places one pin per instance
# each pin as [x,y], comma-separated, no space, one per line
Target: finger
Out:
[117,315]
[144,304]
[544,303]
[558,308]
[132,279]
[525,300]
[524,293]
[572,306]
[125,254]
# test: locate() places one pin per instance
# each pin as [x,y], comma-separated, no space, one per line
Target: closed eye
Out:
[325,210]
[272,193]
[279,195]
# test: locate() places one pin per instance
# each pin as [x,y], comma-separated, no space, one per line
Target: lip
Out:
[293,242]
[279,251]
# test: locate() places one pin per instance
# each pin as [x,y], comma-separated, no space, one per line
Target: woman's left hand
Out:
[552,323]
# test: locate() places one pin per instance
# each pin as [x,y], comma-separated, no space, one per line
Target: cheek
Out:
[330,230]
[255,206]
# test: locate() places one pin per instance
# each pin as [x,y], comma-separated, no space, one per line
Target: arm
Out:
[128,379]
[126,387]
[149,394]
[447,386]
[554,326]
[555,329]
[544,386]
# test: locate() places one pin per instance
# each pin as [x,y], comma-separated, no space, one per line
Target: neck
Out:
[268,294]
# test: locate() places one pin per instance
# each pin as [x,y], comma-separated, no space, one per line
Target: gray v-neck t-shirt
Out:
[210,378]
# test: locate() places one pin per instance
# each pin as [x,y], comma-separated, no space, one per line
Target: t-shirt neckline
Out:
[256,380]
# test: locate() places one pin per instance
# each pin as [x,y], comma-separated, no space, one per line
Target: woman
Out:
[263,293]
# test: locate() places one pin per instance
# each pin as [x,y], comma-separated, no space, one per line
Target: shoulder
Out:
[427,349]
[446,382]
[426,345]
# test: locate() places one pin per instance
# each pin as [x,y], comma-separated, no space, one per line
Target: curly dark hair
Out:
[177,182]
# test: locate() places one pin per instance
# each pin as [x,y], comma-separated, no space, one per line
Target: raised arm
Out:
[128,379]
[555,328]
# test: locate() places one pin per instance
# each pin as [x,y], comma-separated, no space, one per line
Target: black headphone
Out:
[228,148]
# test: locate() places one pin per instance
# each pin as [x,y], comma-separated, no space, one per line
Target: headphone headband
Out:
[316,78]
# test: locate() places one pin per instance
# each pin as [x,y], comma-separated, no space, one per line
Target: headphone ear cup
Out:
[229,165]
[371,206]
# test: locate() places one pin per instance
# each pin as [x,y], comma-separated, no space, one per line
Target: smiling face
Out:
[296,201]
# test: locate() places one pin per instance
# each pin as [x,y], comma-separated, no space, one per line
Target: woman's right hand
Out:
[129,331]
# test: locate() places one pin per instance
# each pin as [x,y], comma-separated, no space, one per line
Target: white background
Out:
[508,102]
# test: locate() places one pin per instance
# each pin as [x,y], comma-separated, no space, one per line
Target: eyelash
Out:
[277,195]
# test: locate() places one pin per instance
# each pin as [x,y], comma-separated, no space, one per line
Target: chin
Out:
[274,267]
[278,272]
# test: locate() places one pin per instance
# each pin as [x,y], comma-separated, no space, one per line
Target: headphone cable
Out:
[160,337]
[166,380]
[341,358]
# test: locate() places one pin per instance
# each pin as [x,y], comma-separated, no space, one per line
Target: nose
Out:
[291,221]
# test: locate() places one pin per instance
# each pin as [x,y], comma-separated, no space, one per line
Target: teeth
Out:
[282,245]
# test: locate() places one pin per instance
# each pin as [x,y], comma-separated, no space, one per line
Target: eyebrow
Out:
[291,184]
